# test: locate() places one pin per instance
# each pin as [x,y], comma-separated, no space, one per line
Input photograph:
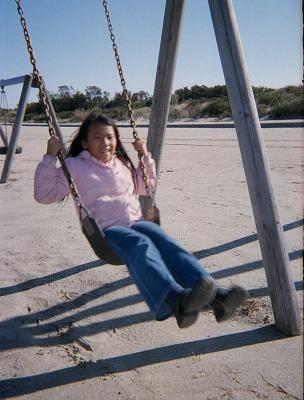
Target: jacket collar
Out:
[87,156]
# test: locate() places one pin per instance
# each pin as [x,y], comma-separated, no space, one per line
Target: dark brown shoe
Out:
[190,304]
[227,301]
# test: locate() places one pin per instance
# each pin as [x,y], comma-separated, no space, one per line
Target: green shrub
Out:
[118,113]
[263,110]
[196,102]
[79,115]
[194,109]
[293,109]
[28,117]
[269,98]
[217,108]
[178,111]
[39,118]
[142,113]
[64,115]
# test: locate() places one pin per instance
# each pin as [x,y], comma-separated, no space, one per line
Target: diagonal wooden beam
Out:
[172,26]
[270,233]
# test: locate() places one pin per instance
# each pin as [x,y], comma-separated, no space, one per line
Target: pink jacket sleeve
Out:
[151,174]
[50,183]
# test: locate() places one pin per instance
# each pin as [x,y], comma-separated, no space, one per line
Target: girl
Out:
[170,279]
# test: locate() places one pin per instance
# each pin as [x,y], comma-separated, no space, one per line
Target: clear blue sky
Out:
[73,48]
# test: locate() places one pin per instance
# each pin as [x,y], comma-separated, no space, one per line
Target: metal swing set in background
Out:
[248,130]
[10,143]
[10,147]
[6,121]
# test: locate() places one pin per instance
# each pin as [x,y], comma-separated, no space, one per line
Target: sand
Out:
[73,327]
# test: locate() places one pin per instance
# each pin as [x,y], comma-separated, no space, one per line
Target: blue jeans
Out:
[157,264]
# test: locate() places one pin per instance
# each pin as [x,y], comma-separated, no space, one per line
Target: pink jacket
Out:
[105,189]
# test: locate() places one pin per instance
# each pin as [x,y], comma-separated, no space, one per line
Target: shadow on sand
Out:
[32,283]
[240,242]
[88,370]
[44,280]
[35,329]
[28,330]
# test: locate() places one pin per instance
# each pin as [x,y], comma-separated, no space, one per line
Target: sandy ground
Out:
[72,327]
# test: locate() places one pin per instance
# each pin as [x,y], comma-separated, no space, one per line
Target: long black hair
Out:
[82,135]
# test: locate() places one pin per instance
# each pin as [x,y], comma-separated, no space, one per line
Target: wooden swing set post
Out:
[27,83]
[270,233]
[172,26]
[247,125]
[171,32]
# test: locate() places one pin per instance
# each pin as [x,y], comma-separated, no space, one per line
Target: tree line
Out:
[198,101]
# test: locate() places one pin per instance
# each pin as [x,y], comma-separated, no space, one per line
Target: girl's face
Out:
[101,141]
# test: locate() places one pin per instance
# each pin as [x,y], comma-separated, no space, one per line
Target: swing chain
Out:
[43,97]
[126,96]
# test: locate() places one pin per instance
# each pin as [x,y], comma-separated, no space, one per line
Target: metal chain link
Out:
[43,97]
[126,96]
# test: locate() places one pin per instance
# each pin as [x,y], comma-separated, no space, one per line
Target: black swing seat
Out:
[3,150]
[97,238]
[98,241]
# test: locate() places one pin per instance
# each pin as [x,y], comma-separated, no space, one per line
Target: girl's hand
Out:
[140,146]
[54,145]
